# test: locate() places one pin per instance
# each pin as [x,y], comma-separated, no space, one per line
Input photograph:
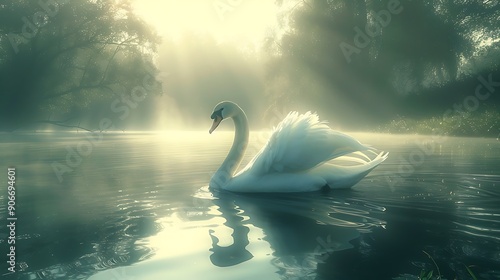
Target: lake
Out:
[123,206]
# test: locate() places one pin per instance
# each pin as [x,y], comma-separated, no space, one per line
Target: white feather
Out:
[297,157]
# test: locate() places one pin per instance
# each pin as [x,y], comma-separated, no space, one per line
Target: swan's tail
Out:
[380,158]
[341,176]
[361,158]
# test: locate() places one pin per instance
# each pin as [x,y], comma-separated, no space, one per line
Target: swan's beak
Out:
[216,123]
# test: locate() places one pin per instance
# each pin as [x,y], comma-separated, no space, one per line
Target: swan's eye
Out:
[217,113]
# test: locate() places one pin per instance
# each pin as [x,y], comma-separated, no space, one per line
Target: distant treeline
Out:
[368,63]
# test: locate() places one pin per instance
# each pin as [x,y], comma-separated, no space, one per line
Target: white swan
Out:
[295,158]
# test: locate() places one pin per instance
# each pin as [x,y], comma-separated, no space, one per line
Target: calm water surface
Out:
[137,206]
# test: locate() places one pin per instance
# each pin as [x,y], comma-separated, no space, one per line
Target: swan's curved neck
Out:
[233,159]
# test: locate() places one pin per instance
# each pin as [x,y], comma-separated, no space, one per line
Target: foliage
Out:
[57,59]
[486,123]
[430,275]
[418,70]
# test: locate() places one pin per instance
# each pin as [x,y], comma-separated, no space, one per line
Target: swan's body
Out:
[295,159]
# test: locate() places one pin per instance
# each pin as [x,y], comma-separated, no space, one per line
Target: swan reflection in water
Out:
[296,159]
[301,229]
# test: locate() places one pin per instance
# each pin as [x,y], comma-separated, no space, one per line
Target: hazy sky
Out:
[202,71]
[211,52]
[240,21]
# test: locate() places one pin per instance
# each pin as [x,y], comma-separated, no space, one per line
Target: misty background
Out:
[391,66]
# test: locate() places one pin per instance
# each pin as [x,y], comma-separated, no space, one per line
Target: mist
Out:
[360,65]
[120,161]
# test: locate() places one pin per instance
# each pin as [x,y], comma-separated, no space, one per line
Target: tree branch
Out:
[109,63]
[77,89]
[59,123]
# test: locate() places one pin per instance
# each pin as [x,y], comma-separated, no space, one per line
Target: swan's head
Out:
[222,111]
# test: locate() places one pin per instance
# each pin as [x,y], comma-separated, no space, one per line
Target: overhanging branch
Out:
[62,124]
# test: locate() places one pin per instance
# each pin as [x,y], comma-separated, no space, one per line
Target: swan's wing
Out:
[301,142]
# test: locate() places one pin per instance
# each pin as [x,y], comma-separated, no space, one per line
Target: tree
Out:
[365,61]
[57,58]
